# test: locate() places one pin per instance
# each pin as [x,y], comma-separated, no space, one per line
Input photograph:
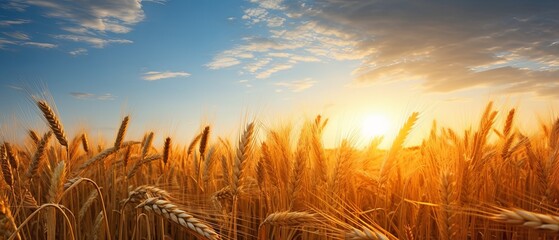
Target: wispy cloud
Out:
[153,76]
[297,86]
[92,22]
[273,69]
[7,23]
[93,41]
[91,96]
[17,35]
[40,44]
[223,62]
[291,40]
[4,42]
[79,51]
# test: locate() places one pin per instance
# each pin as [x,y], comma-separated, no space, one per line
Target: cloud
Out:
[104,16]
[275,68]
[4,42]
[17,35]
[223,62]
[481,44]
[39,44]
[7,23]
[446,47]
[297,86]
[93,41]
[153,76]
[79,51]
[91,96]
[92,22]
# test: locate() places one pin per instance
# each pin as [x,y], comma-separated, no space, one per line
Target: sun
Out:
[374,126]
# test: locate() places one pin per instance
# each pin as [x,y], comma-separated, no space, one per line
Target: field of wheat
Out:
[481,183]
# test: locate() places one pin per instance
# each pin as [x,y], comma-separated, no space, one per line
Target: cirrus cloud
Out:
[153,75]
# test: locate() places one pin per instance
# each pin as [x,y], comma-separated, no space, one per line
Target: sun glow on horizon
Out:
[374,125]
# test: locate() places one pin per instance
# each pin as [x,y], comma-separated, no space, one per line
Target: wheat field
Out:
[486,182]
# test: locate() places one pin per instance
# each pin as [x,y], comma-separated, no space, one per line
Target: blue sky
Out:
[176,65]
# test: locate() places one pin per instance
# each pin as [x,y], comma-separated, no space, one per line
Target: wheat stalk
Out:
[171,212]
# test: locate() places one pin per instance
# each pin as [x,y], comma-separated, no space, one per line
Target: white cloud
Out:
[269,4]
[275,68]
[255,15]
[103,15]
[94,41]
[79,51]
[297,86]
[40,44]
[17,35]
[275,21]
[153,75]
[91,96]
[4,42]
[257,65]
[7,23]
[223,62]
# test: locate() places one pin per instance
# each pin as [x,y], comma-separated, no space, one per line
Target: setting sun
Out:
[374,125]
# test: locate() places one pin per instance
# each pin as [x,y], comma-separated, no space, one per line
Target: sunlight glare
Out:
[374,126]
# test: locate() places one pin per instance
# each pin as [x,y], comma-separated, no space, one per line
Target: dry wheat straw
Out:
[171,212]
[54,122]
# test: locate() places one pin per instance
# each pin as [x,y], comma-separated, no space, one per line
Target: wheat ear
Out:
[121,132]
[41,146]
[171,212]
[287,218]
[364,234]
[7,222]
[54,122]
[527,219]
[243,152]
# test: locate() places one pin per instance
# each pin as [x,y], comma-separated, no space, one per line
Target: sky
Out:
[174,66]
